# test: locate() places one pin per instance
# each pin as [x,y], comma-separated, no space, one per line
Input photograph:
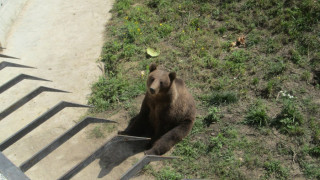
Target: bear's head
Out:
[159,81]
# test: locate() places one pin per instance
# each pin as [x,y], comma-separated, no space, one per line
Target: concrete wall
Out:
[9,11]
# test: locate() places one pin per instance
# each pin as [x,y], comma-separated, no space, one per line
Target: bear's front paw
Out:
[149,152]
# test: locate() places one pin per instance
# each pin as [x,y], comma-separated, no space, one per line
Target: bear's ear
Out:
[172,76]
[152,67]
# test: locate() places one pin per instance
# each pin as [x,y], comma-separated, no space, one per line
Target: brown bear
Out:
[167,112]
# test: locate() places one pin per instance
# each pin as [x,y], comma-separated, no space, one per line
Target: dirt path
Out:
[62,39]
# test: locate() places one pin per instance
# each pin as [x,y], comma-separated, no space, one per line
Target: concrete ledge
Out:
[9,11]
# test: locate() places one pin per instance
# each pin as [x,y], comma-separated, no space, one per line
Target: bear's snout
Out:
[152,91]
[154,87]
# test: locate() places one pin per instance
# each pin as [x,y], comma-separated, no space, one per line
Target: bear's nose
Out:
[152,91]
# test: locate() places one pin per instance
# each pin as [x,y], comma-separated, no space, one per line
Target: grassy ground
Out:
[258,102]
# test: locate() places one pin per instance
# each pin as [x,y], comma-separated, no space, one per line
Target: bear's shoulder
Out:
[179,82]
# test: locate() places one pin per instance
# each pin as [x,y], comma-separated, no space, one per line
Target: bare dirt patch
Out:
[63,40]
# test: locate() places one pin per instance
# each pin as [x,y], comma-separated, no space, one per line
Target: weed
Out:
[122,6]
[315,151]
[222,29]
[283,149]
[310,106]
[220,98]
[257,115]
[96,132]
[109,127]
[285,95]
[212,116]
[271,88]
[305,76]
[251,162]
[255,81]
[187,150]
[271,46]
[290,120]
[111,56]
[276,68]
[168,173]
[164,29]
[254,38]
[131,32]
[107,92]
[315,128]
[129,50]
[221,84]
[274,169]
[210,62]
[310,169]
[295,56]
[235,62]
[198,126]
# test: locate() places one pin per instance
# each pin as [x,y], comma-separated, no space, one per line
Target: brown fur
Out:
[167,113]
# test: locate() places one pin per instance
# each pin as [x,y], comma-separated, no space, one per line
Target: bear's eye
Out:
[151,79]
[161,83]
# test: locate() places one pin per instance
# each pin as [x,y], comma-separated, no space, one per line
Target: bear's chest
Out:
[160,115]
[159,118]
[158,112]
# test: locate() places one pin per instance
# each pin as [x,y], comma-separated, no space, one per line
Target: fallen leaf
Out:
[152,52]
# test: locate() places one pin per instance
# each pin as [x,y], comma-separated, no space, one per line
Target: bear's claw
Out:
[149,152]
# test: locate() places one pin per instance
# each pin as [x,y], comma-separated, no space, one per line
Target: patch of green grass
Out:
[212,116]
[194,38]
[107,92]
[315,151]
[310,169]
[190,150]
[122,6]
[164,30]
[220,98]
[283,149]
[235,62]
[198,126]
[96,132]
[275,69]
[210,62]
[254,38]
[275,170]
[315,128]
[271,45]
[290,119]
[110,56]
[272,87]
[257,115]
[101,131]
[168,173]
[311,106]
[109,128]
[295,56]
[255,81]
[306,76]
[215,156]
